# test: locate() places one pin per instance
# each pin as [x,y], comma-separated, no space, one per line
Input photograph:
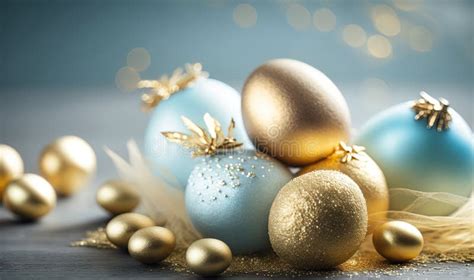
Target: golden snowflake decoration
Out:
[202,142]
[347,153]
[162,89]
[434,111]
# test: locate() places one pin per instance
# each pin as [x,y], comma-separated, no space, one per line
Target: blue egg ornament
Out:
[414,156]
[171,161]
[229,196]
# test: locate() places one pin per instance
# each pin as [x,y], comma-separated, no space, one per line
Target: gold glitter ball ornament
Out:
[208,257]
[117,197]
[151,245]
[294,112]
[121,228]
[68,164]
[11,166]
[318,220]
[398,241]
[355,163]
[29,197]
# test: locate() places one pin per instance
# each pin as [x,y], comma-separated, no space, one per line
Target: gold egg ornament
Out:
[398,241]
[11,166]
[151,245]
[318,220]
[68,164]
[294,112]
[117,197]
[121,228]
[355,163]
[208,257]
[29,197]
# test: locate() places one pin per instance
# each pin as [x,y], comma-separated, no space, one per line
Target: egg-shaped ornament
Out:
[425,151]
[117,197]
[318,220]
[190,94]
[11,166]
[208,257]
[355,163]
[68,163]
[121,228]
[294,112]
[230,190]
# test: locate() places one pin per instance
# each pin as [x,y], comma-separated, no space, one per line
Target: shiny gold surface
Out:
[398,241]
[29,197]
[117,197]
[152,244]
[352,161]
[121,228]
[68,164]
[11,166]
[318,220]
[294,112]
[204,143]
[208,257]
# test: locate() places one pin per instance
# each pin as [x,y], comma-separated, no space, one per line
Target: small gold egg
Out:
[152,244]
[208,257]
[11,166]
[30,197]
[398,241]
[121,228]
[117,197]
[68,164]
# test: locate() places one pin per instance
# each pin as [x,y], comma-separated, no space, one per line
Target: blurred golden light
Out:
[139,59]
[407,5]
[324,20]
[127,79]
[420,39]
[385,20]
[354,35]
[379,46]
[245,15]
[298,16]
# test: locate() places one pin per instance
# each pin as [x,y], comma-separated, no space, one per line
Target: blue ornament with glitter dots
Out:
[229,197]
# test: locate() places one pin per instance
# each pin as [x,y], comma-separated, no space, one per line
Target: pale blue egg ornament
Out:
[230,191]
[422,146]
[192,95]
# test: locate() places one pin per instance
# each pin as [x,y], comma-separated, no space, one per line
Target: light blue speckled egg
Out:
[415,157]
[229,197]
[170,160]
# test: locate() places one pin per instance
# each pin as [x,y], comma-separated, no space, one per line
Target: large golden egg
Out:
[318,220]
[121,228]
[208,257]
[11,166]
[398,241]
[30,197]
[152,244]
[117,197]
[367,175]
[68,164]
[294,112]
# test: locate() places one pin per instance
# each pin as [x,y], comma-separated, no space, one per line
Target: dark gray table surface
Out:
[41,250]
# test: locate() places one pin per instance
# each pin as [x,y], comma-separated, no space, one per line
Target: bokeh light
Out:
[324,20]
[139,59]
[379,46]
[245,15]
[420,39]
[354,35]
[298,16]
[408,5]
[385,20]
[127,79]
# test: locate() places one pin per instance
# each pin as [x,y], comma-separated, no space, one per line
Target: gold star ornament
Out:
[347,153]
